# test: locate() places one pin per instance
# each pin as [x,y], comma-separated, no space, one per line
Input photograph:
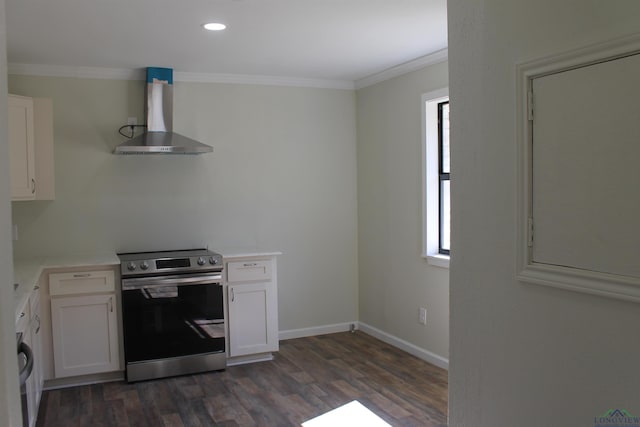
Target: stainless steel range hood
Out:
[159,137]
[162,143]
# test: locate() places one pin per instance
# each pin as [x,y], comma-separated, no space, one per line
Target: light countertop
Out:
[245,252]
[27,272]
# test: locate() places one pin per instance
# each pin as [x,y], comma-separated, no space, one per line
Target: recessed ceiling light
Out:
[214,26]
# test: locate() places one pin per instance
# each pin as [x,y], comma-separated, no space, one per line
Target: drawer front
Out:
[81,282]
[249,271]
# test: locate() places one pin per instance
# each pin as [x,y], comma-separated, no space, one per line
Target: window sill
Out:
[437,260]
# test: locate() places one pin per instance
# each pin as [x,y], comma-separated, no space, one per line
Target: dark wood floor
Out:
[309,376]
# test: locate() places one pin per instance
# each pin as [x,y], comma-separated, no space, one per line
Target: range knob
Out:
[213,261]
[131,266]
[144,265]
[201,261]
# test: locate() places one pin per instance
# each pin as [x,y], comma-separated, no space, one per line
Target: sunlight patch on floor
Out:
[353,414]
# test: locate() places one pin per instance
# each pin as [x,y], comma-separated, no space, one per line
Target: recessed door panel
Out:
[586,168]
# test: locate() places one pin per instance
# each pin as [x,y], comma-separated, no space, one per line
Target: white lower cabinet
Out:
[252,307]
[251,319]
[84,323]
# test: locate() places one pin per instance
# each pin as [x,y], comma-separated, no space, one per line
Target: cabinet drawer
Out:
[249,271]
[81,282]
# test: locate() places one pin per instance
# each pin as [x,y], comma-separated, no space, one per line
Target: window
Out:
[444,169]
[436,170]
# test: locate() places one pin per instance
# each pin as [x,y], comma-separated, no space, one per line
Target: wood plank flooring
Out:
[308,377]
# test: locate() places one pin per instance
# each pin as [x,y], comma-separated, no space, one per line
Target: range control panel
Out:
[182,261]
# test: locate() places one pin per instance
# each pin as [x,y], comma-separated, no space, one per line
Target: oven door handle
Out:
[153,282]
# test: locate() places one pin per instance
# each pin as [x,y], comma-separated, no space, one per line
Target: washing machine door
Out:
[25,366]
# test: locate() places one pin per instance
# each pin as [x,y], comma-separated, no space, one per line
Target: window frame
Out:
[430,178]
[442,178]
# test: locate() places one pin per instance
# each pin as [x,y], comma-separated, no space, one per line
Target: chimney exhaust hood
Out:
[159,137]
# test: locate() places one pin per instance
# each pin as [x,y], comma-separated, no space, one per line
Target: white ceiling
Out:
[342,40]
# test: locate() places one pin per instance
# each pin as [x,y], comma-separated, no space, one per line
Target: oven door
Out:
[172,316]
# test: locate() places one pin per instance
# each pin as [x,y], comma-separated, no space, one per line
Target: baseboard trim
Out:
[243,360]
[316,330]
[106,377]
[419,352]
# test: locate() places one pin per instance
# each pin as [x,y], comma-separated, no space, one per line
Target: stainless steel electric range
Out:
[172,313]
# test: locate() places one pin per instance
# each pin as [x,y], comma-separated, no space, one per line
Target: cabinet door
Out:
[43,143]
[85,337]
[253,326]
[21,148]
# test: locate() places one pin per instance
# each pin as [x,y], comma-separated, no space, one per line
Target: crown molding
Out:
[407,67]
[75,72]
[139,74]
[263,80]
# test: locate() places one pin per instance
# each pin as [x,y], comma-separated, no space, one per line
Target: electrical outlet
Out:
[132,120]
[15,232]
[422,318]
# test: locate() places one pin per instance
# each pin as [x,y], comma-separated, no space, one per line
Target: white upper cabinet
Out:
[43,142]
[31,148]
[21,148]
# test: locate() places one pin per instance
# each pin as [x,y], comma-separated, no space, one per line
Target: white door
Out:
[252,327]
[586,173]
[85,337]
[21,147]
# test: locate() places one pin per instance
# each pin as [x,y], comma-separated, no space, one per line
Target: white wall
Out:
[522,355]
[282,177]
[10,414]
[394,279]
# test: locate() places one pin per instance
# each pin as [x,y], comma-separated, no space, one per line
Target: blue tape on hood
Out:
[163,74]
